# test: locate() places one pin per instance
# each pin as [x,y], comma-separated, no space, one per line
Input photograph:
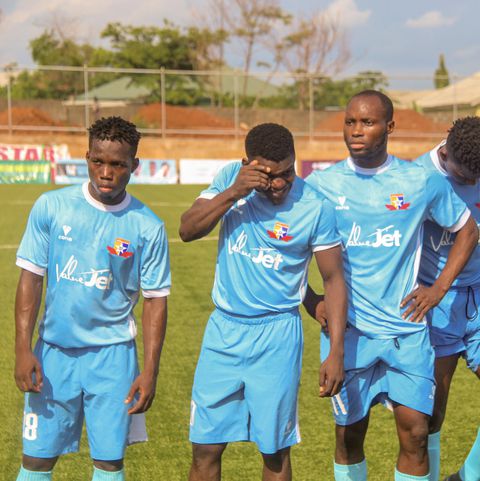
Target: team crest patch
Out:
[280,232]
[120,248]
[477,204]
[397,202]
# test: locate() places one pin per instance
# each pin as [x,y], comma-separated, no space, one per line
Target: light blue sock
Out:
[470,471]
[434,456]
[350,472]
[101,475]
[409,477]
[26,475]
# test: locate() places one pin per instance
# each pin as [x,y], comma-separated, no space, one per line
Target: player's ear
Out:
[87,155]
[390,126]
[245,161]
[135,163]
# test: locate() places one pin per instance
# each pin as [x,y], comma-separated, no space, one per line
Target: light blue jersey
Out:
[438,241]
[97,258]
[264,249]
[380,214]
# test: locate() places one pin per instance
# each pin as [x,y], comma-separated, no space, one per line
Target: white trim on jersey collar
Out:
[104,207]
[375,170]
[436,160]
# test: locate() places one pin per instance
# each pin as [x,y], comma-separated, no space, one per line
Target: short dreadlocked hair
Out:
[463,143]
[114,129]
[385,101]
[270,141]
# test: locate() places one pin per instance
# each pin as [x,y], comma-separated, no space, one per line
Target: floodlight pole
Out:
[9,104]
[85,88]
[163,105]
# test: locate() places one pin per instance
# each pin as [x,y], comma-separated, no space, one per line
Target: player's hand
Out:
[331,375]
[321,315]
[145,385]
[28,372]
[420,301]
[251,176]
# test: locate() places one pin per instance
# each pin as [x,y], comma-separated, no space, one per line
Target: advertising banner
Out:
[308,166]
[24,172]
[201,171]
[34,153]
[75,171]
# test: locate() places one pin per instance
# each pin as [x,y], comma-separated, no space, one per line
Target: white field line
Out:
[176,240]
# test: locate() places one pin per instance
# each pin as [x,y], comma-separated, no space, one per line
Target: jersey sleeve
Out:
[155,264]
[313,180]
[224,179]
[445,207]
[32,254]
[325,234]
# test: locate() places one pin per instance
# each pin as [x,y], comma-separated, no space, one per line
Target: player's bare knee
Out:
[207,453]
[110,466]
[415,438]
[276,462]
[38,464]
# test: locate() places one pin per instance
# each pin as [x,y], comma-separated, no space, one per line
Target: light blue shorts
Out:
[455,325]
[90,382]
[246,381]
[398,370]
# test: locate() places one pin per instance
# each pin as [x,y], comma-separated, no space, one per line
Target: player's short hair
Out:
[270,141]
[463,143]
[384,99]
[114,129]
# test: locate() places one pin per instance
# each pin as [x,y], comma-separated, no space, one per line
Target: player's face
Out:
[366,130]
[281,176]
[110,164]
[456,170]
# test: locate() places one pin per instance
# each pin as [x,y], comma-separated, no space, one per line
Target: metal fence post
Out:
[311,107]
[163,104]
[235,105]
[85,88]
[9,104]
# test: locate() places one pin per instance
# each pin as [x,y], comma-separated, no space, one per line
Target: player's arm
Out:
[315,306]
[422,299]
[330,265]
[154,324]
[28,372]
[204,214]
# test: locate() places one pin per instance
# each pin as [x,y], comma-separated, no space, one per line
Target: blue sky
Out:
[402,38]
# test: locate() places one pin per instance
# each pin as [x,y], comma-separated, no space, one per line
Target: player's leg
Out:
[52,419]
[219,413]
[206,462]
[272,377]
[350,463]
[277,466]
[412,429]
[107,375]
[444,371]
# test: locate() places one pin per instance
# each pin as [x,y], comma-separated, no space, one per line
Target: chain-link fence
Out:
[220,103]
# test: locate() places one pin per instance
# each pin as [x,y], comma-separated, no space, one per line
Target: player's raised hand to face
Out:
[144,385]
[331,375]
[251,176]
[28,372]
[420,301]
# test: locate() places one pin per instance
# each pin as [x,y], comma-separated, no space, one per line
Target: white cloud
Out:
[347,12]
[432,19]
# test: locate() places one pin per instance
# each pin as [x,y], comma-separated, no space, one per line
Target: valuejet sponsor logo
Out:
[99,278]
[383,237]
[262,255]
[446,240]
[341,203]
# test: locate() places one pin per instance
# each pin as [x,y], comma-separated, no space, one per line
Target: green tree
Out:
[441,78]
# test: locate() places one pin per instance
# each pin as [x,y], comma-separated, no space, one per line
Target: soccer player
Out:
[381,204]
[455,322]
[97,247]
[247,376]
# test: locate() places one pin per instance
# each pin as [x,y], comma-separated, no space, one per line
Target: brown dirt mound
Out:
[180,118]
[407,122]
[27,116]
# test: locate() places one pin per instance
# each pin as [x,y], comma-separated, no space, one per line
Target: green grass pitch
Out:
[167,454]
